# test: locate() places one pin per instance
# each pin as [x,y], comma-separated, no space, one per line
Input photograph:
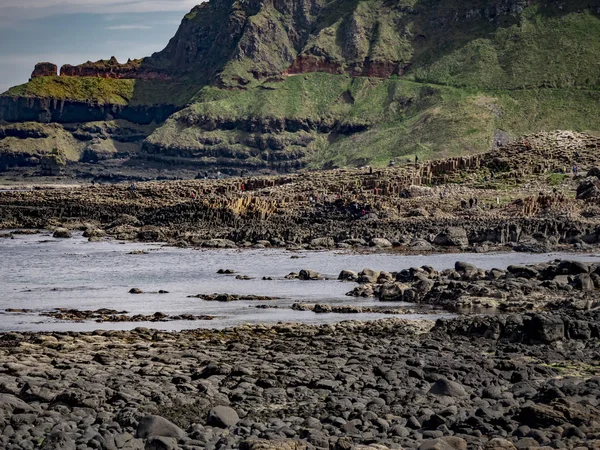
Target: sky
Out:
[75,31]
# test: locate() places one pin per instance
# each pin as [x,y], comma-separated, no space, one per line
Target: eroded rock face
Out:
[45,69]
[132,69]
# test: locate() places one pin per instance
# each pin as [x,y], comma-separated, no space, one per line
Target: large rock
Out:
[222,417]
[307,274]
[545,328]
[158,426]
[326,242]
[61,233]
[348,275]
[392,292]
[444,387]
[452,237]
[589,189]
[380,243]
[368,276]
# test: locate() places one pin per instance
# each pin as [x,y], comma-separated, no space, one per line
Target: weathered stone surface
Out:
[158,426]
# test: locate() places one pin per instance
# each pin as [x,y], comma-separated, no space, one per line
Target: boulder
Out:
[348,275]
[158,426]
[392,292]
[326,242]
[222,417]
[380,243]
[588,189]
[566,267]
[583,282]
[545,328]
[463,267]
[62,233]
[420,245]
[368,276]
[594,172]
[452,237]
[307,274]
[444,387]
[523,272]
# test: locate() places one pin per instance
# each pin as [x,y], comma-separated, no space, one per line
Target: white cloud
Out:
[17,10]
[128,27]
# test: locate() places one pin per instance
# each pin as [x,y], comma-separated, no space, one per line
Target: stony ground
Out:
[501,382]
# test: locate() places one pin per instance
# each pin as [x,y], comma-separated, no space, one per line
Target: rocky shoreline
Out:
[481,203]
[502,382]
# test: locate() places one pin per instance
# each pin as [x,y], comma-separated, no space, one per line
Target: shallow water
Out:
[41,273]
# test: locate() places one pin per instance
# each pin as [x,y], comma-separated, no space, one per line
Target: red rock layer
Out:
[112,70]
[44,69]
[309,63]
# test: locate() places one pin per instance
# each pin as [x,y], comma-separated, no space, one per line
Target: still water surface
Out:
[41,273]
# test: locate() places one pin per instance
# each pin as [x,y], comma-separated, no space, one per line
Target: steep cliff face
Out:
[283,84]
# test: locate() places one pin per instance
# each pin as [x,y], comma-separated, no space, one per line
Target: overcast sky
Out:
[75,31]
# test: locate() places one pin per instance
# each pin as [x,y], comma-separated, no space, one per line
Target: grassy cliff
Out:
[348,82]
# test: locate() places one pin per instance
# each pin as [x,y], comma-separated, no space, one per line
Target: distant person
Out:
[416,160]
[133,187]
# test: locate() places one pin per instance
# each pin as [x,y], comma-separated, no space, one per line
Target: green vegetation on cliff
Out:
[347,82]
[107,91]
[81,89]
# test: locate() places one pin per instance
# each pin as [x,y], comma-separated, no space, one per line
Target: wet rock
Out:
[307,274]
[368,276]
[62,233]
[348,275]
[589,188]
[135,291]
